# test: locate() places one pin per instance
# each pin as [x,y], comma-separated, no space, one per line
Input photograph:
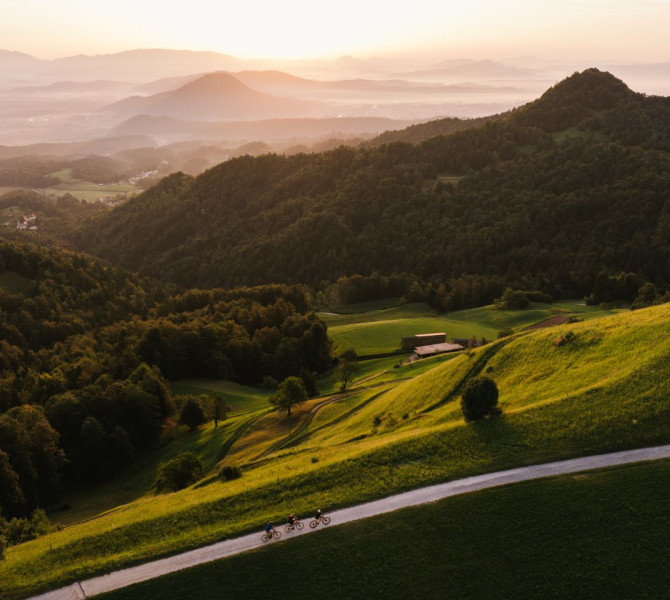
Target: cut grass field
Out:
[375,331]
[590,535]
[608,389]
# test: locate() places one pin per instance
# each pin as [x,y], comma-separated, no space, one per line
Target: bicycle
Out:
[315,522]
[296,525]
[268,535]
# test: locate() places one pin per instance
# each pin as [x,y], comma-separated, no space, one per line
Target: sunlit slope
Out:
[438,550]
[605,390]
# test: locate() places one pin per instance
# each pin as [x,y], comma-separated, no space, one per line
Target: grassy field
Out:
[377,330]
[583,536]
[84,190]
[608,389]
[240,398]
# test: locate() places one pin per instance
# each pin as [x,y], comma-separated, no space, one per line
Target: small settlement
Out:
[430,344]
[27,223]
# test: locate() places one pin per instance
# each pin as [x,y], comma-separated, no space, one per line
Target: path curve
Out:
[158,568]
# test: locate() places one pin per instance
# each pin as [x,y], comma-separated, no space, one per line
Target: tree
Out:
[291,392]
[179,472]
[479,399]
[11,495]
[191,413]
[218,409]
[347,367]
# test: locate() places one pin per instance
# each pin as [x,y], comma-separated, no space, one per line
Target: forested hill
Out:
[85,351]
[551,193]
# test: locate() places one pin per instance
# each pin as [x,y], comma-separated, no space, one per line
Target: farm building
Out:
[472,342]
[423,339]
[433,349]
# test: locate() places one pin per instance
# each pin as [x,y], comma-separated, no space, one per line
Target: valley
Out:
[221,343]
[342,457]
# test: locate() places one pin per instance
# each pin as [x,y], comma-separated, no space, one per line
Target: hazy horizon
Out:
[592,30]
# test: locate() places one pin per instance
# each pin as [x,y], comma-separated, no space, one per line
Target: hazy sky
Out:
[558,29]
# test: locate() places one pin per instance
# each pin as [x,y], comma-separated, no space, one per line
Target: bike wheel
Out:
[299,525]
[288,528]
[313,524]
[277,534]
[264,537]
[326,520]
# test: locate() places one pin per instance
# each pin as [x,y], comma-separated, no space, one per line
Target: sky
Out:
[630,30]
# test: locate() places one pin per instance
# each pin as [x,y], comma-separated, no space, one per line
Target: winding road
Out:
[158,568]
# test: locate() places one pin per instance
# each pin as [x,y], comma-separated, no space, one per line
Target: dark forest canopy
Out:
[551,193]
[86,349]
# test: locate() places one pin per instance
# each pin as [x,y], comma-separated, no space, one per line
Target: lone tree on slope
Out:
[291,392]
[480,399]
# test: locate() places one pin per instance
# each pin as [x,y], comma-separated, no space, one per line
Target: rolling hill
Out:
[558,186]
[216,96]
[605,390]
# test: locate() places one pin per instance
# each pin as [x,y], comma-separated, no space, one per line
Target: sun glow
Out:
[308,29]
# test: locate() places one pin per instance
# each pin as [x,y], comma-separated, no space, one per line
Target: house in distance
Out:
[430,344]
[422,339]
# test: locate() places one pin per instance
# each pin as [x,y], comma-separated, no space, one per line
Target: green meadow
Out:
[581,536]
[240,398]
[395,429]
[379,330]
[86,190]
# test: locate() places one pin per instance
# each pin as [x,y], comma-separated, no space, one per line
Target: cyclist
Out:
[318,515]
[292,519]
[270,528]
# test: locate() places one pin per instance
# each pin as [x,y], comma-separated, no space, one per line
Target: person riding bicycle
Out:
[270,528]
[318,515]
[292,519]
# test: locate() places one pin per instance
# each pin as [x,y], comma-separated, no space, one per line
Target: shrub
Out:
[512,299]
[377,421]
[179,472]
[479,399]
[269,382]
[20,530]
[230,472]
[564,339]
[191,413]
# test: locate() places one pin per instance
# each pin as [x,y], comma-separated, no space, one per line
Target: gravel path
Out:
[125,577]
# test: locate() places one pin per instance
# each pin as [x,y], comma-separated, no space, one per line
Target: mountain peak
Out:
[577,97]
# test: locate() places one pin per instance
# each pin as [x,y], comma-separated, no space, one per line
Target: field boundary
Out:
[125,577]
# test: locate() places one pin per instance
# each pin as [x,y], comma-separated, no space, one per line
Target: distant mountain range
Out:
[216,96]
